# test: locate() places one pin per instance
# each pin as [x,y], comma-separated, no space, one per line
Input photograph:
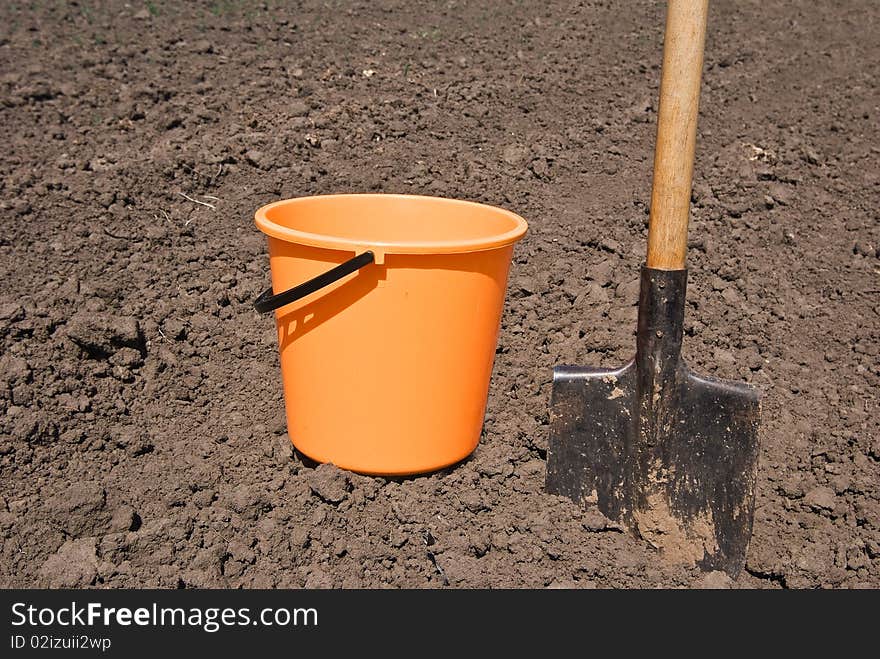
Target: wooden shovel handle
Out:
[676,133]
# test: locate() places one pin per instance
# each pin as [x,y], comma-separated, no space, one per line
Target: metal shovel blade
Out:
[670,454]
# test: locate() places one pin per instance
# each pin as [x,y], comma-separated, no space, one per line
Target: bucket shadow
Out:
[300,321]
[305,460]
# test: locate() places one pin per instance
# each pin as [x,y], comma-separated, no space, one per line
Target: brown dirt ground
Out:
[142,441]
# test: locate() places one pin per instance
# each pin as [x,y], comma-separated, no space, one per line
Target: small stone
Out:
[106,200]
[718,284]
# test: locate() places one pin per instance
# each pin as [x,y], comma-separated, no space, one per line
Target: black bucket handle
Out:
[267,302]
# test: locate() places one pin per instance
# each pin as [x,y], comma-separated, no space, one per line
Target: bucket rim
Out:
[495,241]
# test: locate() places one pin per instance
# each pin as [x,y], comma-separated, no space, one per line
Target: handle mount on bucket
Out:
[268,302]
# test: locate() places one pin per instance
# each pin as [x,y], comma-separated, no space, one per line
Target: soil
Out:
[142,436]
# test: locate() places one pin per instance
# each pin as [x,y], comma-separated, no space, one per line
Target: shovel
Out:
[669,454]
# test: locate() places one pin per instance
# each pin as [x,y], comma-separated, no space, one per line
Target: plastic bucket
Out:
[388,318]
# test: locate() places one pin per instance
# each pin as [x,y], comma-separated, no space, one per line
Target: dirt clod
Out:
[715,580]
[74,565]
[329,483]
[820,498]
[79,509]
[101,335]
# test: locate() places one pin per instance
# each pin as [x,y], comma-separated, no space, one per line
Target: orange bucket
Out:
[388,319]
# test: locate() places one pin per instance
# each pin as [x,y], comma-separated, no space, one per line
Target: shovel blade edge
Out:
[708,463]
[591,418]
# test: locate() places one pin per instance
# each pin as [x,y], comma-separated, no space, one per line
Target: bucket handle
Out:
[267,302]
